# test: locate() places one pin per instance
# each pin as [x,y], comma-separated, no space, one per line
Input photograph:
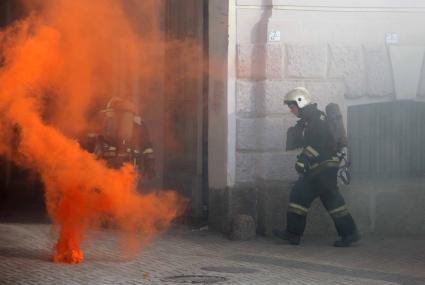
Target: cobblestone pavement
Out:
[182,256]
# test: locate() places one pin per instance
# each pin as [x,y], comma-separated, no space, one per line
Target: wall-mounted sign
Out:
[274,36]
[391,38]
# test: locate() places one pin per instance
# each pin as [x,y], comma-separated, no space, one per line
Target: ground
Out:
[186,256]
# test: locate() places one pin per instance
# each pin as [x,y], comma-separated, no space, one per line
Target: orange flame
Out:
[66,54]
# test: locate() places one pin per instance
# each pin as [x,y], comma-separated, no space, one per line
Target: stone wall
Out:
[342,53]
[339,74]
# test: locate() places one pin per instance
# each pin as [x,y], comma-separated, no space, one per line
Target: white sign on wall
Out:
[391,38]
[274,36]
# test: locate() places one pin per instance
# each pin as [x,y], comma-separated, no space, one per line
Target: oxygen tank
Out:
[340,141]
[336,126]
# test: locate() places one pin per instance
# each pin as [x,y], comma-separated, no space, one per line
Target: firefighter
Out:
[317,165]
[124,138]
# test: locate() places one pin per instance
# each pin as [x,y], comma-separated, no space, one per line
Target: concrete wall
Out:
[348,52]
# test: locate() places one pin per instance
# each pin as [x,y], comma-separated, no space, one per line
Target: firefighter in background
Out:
[124,138]
[317,165]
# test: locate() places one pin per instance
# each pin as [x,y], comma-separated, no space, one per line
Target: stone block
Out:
[243,228]
[274,93]
[246,137]
[250,61]
[274,61]
[259,61]
[384,207]
[260,134]
[390,215]
[270,131]
[413,204]
[395,205]
[246,167]
[400,213]
[347,63]
[243,200]
[246,94]
[273,199]
[406,62]
[218,210]
[379,79]
[270,134]
[324,92]
[276,166]
[243,211]
[306,61]
[226,204]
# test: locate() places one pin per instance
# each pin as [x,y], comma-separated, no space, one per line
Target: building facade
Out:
[220,138]
[354,53]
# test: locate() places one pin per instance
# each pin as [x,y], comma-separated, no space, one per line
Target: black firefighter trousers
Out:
[322,185]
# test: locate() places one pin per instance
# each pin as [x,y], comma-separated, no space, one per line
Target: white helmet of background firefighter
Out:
[119,119]
[120,104]
[126,132]
[296,99]
[300,96]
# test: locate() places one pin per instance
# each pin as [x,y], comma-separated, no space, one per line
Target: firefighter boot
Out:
[346,241]
[345,226]
[293,239]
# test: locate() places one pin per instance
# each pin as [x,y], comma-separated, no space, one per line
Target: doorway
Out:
[186,109]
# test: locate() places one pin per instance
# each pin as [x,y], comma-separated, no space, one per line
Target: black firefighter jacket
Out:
[318,146]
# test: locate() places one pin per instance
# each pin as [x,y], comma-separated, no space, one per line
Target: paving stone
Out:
[182,252]
[243,228]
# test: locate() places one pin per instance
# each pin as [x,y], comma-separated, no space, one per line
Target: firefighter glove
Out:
[302,165]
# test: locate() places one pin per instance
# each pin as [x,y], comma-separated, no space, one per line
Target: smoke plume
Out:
[55,65]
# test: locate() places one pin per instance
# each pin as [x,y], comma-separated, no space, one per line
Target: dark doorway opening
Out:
[21,192]
[186,107]
[186,113]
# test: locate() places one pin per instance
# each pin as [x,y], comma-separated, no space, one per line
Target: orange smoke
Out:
[54,65]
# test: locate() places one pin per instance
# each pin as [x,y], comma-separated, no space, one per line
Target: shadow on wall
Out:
[243,200]
[259,31]
[267,3]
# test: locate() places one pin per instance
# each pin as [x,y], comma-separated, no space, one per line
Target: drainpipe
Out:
[8,170]
[205,88]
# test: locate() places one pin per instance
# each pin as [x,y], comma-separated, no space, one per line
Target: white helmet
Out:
[298,95]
